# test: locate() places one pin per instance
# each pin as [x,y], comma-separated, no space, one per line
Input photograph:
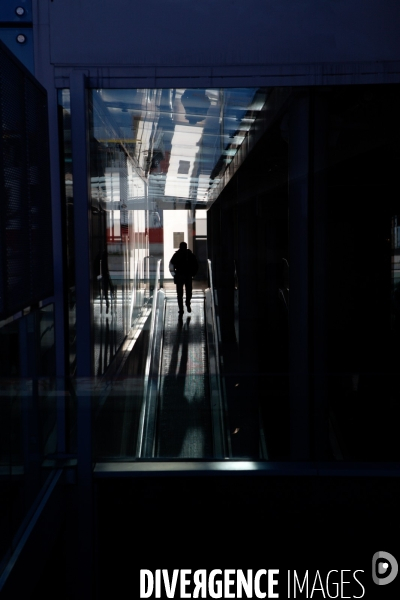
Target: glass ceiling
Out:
[180,140]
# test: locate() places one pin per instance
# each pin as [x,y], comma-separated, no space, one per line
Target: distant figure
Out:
[104,278]
[183,266]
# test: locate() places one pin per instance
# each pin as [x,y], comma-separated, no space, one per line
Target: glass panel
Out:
[324,159]
[157,159]
[28,410]
[152,151]
[120,245]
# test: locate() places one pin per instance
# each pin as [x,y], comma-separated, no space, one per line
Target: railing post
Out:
[82,218]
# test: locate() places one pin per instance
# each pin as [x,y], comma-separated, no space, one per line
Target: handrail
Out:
[150,352]
[49,328]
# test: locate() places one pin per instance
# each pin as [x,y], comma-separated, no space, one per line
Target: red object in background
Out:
[156,235]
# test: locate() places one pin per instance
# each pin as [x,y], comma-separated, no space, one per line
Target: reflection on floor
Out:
[184,412]
[184,418]
[110,324]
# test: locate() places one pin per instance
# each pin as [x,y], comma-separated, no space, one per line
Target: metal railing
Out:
[146,432]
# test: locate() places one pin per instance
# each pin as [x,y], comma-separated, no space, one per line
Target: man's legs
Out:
[188,286]
[105,293]
[179,292]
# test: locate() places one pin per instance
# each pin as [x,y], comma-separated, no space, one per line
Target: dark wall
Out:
[248,241]
[360,279]
[175,32]
[351,316]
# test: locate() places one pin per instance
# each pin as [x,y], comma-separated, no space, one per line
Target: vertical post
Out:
[44,72]
[82,219]
[82,214]
[299,351]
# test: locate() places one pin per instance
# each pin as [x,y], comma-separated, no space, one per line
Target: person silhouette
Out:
[104,278]
[183,266]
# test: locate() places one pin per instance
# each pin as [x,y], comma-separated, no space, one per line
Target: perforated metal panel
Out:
[25,206]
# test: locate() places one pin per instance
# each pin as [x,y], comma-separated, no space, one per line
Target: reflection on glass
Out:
[179,141]
[28,410]
[151,151]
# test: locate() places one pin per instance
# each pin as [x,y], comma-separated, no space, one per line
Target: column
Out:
[82,217]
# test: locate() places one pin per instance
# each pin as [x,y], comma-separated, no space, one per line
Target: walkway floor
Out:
[184,416]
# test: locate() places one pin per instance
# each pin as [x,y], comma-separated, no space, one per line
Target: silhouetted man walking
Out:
[183,266]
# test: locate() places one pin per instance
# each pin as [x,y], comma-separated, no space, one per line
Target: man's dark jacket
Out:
[183,265]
